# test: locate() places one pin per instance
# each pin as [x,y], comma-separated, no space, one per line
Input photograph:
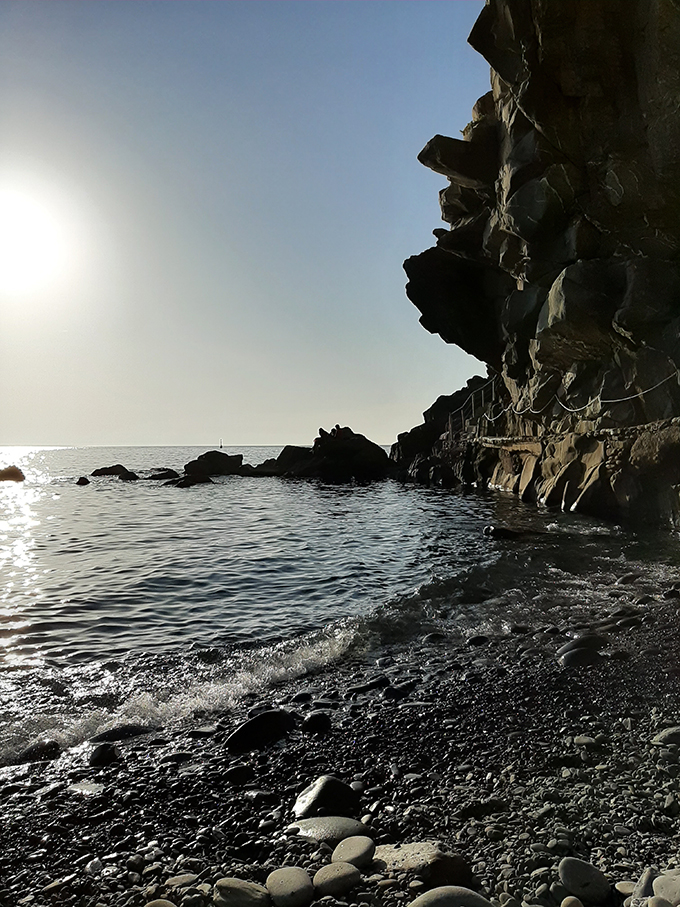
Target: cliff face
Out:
[560,266]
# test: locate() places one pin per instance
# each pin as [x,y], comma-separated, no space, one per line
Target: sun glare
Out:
[35,251]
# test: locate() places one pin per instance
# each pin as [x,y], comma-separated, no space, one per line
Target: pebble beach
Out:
[480,761]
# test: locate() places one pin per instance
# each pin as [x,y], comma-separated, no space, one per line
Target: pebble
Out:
[427,860]
[329,829]
[583,880]
[336,879]
[264,728]
[450,896]
[668,735]
[357,850]
[290,886]
[326,795]
[657,901]
[571,901]
[667,885]
[237,893]
[181,881]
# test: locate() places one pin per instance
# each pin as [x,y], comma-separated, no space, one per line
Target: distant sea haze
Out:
[135,599]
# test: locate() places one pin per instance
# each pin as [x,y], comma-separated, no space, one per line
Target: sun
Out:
[35,252]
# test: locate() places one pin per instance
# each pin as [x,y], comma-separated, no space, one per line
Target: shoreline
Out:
[488,745]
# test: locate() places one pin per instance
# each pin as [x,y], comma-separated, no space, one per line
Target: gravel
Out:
[499,753]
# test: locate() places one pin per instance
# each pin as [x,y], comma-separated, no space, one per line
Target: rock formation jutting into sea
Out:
[560,265]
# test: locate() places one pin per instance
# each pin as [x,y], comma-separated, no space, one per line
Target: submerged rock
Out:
[117,470]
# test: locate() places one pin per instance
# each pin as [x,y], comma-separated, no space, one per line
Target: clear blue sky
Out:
[227,189]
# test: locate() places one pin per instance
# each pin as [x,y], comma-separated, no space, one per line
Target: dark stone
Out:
[292,461]
[239,774]
[122,732]
[317,722]
[83,480]
[164,474]
[350,456]
[42,751]
[215,463]
[118,470]
[11,474]
[189,481]
[502,532]
[259,731]
[327,796]
[471,164]
[104,754]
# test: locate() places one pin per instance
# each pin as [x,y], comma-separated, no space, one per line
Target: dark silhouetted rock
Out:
[334,458]
[215,463]
[11,474]
[104,754]
[260,730]
[122,732]
[83,480]
[342,455]
[164,474]
[42,751]
[118,470]
[317,722]
[559,268]
[189,481]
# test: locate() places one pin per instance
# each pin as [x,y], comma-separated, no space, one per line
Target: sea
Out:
[137,602]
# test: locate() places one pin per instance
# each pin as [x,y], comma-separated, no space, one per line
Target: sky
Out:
[204,210]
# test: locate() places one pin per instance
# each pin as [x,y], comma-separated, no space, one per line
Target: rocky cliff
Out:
[560,267]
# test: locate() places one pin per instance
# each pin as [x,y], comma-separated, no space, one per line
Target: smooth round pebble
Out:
[625,888]
[450,896]
[336,879]
[657,901]
[583,880]
[329,829]
[290,887]
[357,850]
[571,901]
[160,902]
[667,886]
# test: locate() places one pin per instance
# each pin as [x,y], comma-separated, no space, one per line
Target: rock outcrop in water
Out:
[560,267]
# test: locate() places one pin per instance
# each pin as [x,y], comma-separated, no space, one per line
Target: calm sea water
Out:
[136,601]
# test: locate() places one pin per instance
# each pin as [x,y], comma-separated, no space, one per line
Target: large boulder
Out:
[11,474]
[337,456]
[347,455]
[117,470]
[215,463]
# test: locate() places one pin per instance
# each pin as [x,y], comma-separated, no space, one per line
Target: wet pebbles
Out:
[503,765]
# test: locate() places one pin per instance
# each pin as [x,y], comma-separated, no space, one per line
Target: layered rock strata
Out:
[560,265]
